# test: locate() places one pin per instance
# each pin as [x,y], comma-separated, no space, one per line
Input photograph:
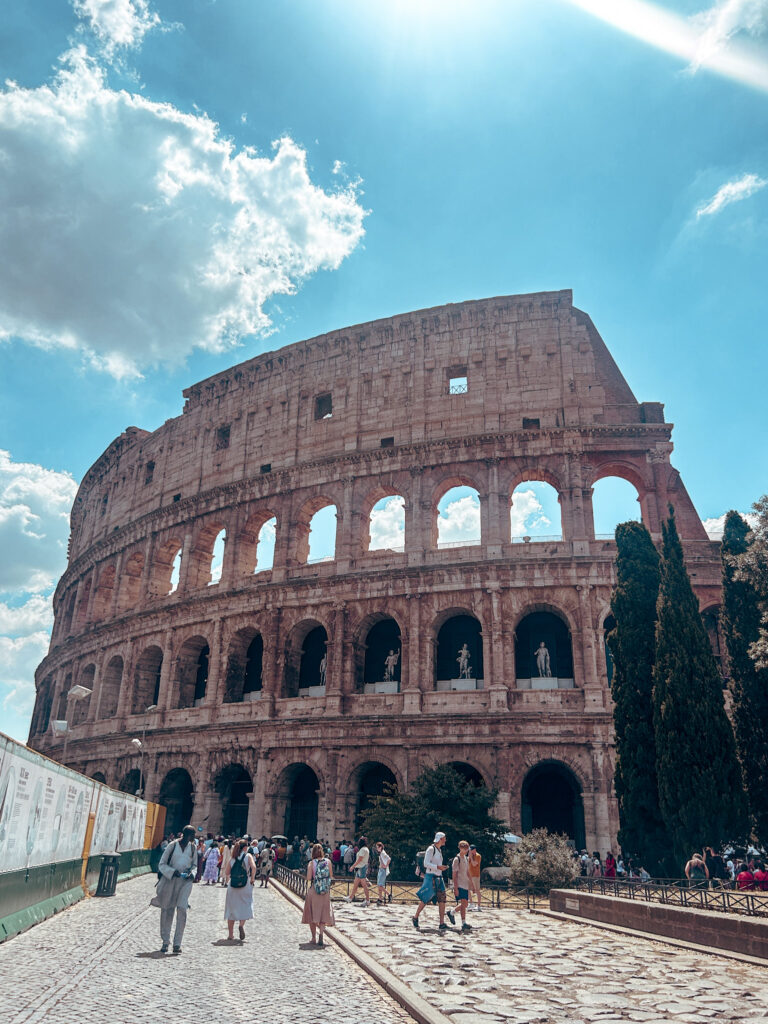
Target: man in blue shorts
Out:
[360,871]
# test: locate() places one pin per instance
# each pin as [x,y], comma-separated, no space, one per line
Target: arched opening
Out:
[256,547]
[234,787]
[306,661]
[130,582]
[177,796]
[265,546]
[608,626]
[68,613]
[372,778]
[110,687]
[321,540]
[244,665]
[551,799]
[62,709]
[535,513]
[468,772]
[99,777]
[381,666]
[131,781]
[192,672]
[543,653]
[82,706]
[103,599]
[146,681]
[711,620]
[459,654]
[299,790]
[614,500]
[458,518]
[43,705]
[217,557]
[81,615]
[166,569]
[386,524]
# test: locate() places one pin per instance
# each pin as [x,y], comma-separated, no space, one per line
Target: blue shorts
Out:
[464,894]
[361,872]
[381,878]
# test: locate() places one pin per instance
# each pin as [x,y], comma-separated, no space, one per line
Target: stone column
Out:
[416,528]
[412,681]
[271,663]
[216,671]
[146,570]
[185,573]
[95,698]
[491,526]
[335,653]
[257,810]
[113,603]
[91,598]
[347,538]
[75,609]
[126,684]
[494,667]
[285,538]
[167,673]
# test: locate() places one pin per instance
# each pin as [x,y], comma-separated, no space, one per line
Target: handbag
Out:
[427,891]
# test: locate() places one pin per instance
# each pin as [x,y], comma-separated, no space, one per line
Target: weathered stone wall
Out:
[545,401]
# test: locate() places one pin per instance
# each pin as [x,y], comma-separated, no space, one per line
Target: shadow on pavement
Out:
[228,942]
[156,955]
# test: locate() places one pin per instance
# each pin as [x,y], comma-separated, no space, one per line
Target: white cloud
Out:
[35,614]
[459,521]
[721,22]
[117,23]
[716,524]
[732,192]
[138,233]
[19,658]
[34,524]
[526,514]
[388,525]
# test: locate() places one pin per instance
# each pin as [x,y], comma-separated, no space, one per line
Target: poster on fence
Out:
[43,809]
[119,822]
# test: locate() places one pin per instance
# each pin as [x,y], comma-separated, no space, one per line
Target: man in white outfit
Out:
[434,883]
[177,866]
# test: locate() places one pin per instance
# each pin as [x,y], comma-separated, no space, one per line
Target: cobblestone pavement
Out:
[526,968]
[98,963]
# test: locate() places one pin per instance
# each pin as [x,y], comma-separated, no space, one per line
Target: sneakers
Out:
[177,949]
[367,903]
[442,927]
[348,899]
[451,918]
[415,922]
[466,927]
[164,948]
[320,940]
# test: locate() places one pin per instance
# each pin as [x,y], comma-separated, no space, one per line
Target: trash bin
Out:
[108,876]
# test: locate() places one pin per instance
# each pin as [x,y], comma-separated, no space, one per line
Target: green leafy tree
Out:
[542,860]
[632,645]
[699,779]
[741,626]
[753,567]
[441,799]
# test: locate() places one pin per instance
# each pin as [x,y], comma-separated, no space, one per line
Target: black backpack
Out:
[238,876]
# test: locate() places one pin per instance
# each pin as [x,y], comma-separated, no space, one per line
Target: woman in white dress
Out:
[241,874]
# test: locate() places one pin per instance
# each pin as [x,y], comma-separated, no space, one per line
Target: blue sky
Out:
[153,233]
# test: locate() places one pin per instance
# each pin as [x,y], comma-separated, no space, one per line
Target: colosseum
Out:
[279,690]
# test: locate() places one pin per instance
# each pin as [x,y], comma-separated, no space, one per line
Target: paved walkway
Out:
[526,968]
[97,963]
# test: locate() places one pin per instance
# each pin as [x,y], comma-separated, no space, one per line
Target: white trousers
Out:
[166,920]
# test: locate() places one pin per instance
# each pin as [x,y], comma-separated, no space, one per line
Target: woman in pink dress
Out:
[318,913]
[212,860]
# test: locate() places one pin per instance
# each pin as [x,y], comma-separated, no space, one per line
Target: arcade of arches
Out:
[250,797]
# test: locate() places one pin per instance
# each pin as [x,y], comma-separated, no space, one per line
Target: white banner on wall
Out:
[44,810]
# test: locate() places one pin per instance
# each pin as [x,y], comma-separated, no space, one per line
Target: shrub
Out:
[542,860]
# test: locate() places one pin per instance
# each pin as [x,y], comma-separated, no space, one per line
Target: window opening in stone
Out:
[110,688]
[201,676]
[266,468]
[265,546]
[322,535]
[383,658]
[131,782]
[531,423]
[551,799]
[104,503]
[374,780]
[468,772]
[458,385]
[543,653]
[80,713]
[192,672]
[323,406]
[177,497]
[614,501]
[459,654]
[314,663]
[387,524]
[234,787]
[243,681]
[175,572]
[458,518]
[149,472]
[217,557]
[146,684]
[222,437]
[298,791]
[535,513]
[387,442]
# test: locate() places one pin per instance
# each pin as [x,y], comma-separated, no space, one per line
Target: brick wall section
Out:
[747,935]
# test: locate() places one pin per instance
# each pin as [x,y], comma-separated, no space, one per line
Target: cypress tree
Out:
[699,780]
[632,645]
[741,626]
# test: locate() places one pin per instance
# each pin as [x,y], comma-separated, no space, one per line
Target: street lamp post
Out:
[77,693]
[139,744]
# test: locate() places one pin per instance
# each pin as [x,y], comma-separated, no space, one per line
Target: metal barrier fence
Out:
[499,897]
[678,893]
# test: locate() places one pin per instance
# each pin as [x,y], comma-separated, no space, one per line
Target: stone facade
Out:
[241,728]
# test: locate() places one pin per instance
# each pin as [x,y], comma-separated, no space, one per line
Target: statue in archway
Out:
[543,666]
[390,663]
[463,660]
[323,668]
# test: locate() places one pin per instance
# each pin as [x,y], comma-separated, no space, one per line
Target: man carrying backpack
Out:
[177,868]
[318,913]
[433,886]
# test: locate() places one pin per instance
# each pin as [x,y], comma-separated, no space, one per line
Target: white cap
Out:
[438,837]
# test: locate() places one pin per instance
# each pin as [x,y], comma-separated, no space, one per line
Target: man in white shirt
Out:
[434,884]
[177,866]
[360,871]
